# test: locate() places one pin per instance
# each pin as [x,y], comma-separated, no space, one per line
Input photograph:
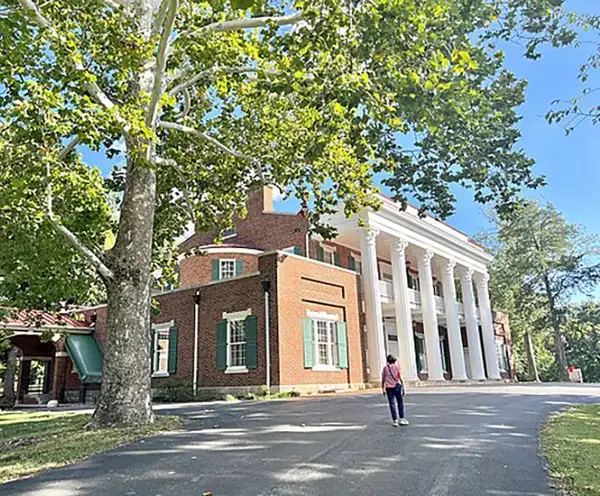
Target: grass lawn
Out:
[31,442]
[571,443]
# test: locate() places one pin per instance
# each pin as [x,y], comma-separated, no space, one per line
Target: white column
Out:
[487,325]
[373,311]
[457,357]
[406,342]
[430,322]
[475,356]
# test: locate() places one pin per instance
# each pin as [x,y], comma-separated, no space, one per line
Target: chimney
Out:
[260,200]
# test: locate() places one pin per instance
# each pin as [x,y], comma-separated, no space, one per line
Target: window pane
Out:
[162,350]
[237,344]
[227,268]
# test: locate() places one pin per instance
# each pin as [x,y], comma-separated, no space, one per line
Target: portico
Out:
[426,296]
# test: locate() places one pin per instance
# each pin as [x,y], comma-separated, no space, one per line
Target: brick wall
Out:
[262,229]
[306,285]
[198,269]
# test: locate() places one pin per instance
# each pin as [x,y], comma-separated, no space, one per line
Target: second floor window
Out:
[413,281]
[226,268]
[229,233]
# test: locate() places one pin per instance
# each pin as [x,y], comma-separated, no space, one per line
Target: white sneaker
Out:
[395,423]
[403,421]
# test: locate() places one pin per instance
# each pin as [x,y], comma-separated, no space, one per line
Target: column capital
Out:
[481,278]
[426,256]
[449,266]
[467,273]
[370,234]
[398,246]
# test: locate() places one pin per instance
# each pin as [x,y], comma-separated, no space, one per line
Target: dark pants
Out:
[394,395]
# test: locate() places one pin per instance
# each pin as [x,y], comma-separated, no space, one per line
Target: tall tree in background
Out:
[582,332]
[211,98]
[541,262]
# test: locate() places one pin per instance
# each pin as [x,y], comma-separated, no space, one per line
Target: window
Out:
[413,281]
[501,355]
[329,255]
[437,288]
[229,233]
[386,271]
[443,355]
[226,269]
[236,344]
[326,343]
[420,352]
[358,265]
[164,349]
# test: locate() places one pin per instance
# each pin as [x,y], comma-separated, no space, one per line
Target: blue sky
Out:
[570,163]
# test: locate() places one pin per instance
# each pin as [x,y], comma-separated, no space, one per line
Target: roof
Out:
[38,319]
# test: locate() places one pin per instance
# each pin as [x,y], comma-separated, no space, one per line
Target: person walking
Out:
[393,387]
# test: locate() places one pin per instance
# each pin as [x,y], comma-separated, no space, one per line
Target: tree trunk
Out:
[559,346]
[125,395]
[532,369]
[8,398]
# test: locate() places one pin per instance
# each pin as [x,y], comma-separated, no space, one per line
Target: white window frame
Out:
[223,261]
[501,355]
[331,321]
[155,332]
[357,264]
[385,269]
[232,233]
[424,369]
[328,252]
[235,317]
[411,277]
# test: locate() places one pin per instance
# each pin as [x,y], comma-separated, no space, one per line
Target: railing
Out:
[439,304]
[414,298]
[386,290]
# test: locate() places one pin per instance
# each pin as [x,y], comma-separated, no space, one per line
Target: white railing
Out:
[386,290]
[414,298]
[439,304]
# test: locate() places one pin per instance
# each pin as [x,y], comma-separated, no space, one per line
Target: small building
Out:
[274,305]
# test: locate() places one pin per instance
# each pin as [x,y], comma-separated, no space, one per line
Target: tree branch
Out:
[216,70]
[161,62]
[248,23]
[172,163]
[159,20]
[69,148]
[213,141]
[84,251]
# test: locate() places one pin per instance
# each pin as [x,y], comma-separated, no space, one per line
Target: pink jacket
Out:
[390,375]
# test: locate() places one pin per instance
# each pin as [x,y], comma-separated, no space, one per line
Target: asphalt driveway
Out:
[461,441]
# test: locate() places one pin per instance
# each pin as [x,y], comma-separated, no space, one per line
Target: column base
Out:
[460,379]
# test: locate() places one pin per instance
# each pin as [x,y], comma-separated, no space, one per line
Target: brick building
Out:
[274,306]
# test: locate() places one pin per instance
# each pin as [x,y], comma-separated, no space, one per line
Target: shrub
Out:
[174,391]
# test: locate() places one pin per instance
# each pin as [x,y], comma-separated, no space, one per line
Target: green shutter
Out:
[351,262]
[153,350]
[215,270]
[342,343]
[297,250]
[172,350]
[222,345]
[320,254]
[239,267]
[309,345]
[336,259]
[417,353]
[250,332]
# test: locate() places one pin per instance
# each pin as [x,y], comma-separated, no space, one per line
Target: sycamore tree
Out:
[541,262]
[212,98]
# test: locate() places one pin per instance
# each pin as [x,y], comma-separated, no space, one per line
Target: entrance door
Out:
[391,337]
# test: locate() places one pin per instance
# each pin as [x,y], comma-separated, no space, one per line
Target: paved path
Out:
[461,441]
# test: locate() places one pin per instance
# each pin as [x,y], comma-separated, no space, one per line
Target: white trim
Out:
[325,368]
[306,259]
[37,358]
[61,354]
[163,325]
[322,315]
[237,315]
[328,250]
[160,374]
[227,260]
[236,370]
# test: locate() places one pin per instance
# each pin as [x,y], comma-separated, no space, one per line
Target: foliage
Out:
[210,99]
[541,262]
[28,441]
[582,333]
[571,443]
[174,390]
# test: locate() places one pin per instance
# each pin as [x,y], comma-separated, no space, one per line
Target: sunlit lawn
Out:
[31,442]
[571,442]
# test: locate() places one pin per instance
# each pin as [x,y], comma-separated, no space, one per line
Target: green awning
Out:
[86,356]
